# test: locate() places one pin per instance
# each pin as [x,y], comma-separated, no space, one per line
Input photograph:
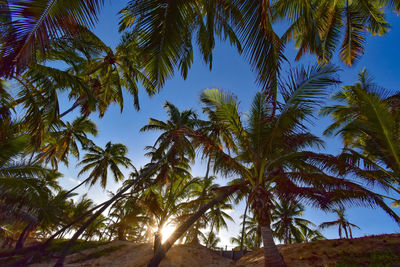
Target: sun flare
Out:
[167,231]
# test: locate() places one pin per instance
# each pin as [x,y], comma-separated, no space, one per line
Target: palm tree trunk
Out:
[345,231]
[79,185]
[23,236]
[157,240]
[272,257]
[159,255]
[208,167]
[243,226]
[350,232]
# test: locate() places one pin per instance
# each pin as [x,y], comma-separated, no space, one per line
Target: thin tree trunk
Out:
[187,224]
[68,246]
[23,236]
[243,226]
[79,185]
[345,231]
[208,167]
[272,257]
[350,232]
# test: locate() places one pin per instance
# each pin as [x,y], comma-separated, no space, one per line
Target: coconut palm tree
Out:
[127,217]
[211,240]
[367,122]
[98,161]
[215,218]
[165,201]
[279,170]
[176,132]
[341,222]
[309,235]
[64,141]
[287,224]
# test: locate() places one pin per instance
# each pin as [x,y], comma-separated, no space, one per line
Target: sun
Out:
[167,231]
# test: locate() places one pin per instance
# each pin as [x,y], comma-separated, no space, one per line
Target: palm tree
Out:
[128,216]
[99,161]
[163,202]
[211,240]
[288,224]
[64,141]
[367,122]
[309,235]
[176,132]
[279,170]
[202,192]
[41,21]
[341,222]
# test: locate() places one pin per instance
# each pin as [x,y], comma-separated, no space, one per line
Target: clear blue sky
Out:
[232,73]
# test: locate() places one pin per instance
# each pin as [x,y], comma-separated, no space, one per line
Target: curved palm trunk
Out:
[160,254]
[272,257]
[23,236]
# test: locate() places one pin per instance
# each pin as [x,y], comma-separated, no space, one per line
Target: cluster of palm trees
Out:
[268,155]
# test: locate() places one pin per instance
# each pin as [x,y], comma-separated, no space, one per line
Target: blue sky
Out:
[232,73]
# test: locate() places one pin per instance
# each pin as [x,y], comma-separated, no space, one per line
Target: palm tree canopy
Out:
[100,160]
[30,25]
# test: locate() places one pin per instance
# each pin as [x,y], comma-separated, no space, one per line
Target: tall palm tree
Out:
[287,224]
[98,161]
[367,122]
[341,222]
[280,170]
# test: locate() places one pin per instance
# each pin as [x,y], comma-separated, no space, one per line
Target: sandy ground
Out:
[135,255]
[326,252]
[318,253]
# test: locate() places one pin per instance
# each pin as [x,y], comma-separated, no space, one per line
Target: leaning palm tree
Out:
[341,222]
[98,161]
[271,156]
[288,224]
